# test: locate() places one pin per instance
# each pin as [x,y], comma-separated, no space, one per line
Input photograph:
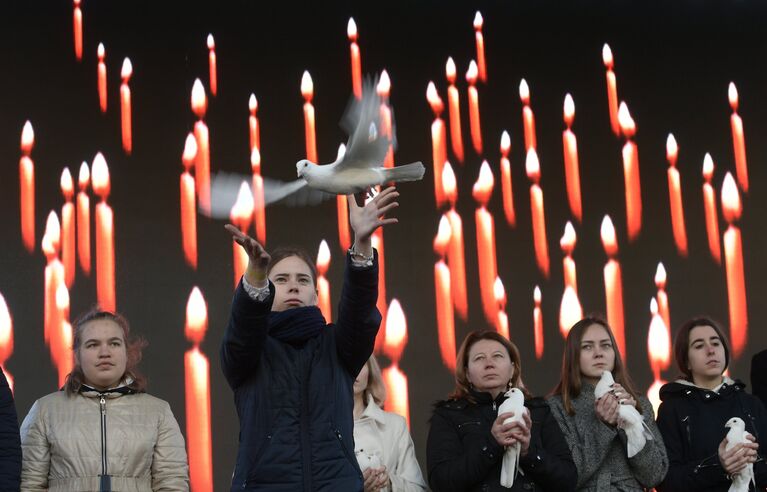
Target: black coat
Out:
[295,400]
[759,376]
[462,455]
[691,420]
[10,445]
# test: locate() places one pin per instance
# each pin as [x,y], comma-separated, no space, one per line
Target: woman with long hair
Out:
[102,431]
[467,437]
[592,426]
[695,409]
[382,443]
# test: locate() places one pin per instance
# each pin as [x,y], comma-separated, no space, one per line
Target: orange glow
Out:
[709,205]
[483,187]
[612,91]
[307,86]
[397,391]
[480,42]
[537,322]
[631,174]
[455,255]
[570,311]
[68,227]
[253,126]
[241,215]
[351,29]
[102,78]
[449,184]
[442,240]
[732,96]
[738,141]
[445,315]
[658,341]
[450,70]
[672,150]
[731,204]
[259,208]
[661,296]
[377,240]
[188,208]
[384,89]
[6,332]
[212,65]
[27,138]
[569,110]
[528,119]
[201,134]
[199,99]
[540,242]
[323,286]
[675,197]
[474,122]
[506,188]
[653,394]
[396,331]
[198,433]
[486,256]
[27,187]
[77,28]
[454,111]
[196,317]
[471,73]
[607,56]
[100,176]
[567,243]
[613,284]
[83,219]
[61,338]
[438,141]
[733,254]
[53,275]
[125,106]
[607,233]
[524,92]
[356,63]
[105,252]
[435,102]
[502,320]
[307,90]
[572,172]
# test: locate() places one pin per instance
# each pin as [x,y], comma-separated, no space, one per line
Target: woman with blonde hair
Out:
[102,431]
[467,437]
[382,442]
[591,426]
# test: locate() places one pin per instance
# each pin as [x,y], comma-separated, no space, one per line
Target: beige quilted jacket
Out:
[63,449]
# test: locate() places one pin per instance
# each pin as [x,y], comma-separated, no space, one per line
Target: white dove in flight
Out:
[515,402]
[737,435]
[357,168]
[630,420]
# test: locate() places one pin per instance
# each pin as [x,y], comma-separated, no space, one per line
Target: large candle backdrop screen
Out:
[580,159]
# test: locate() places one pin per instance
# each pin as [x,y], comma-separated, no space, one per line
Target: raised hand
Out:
[258,258]
[365,220]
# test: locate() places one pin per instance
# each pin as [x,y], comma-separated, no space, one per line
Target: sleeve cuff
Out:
[256,293]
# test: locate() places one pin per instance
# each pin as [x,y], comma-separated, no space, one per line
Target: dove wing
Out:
[367,146]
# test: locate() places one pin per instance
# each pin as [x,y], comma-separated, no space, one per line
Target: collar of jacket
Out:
[121,389]
[373,411]
[684,388]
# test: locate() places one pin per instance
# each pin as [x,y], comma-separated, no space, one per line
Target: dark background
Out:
[673,62]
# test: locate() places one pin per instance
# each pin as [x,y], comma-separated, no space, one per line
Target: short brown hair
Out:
[133,347]
[462,384]
[570,383]
[283,252]
[682,344]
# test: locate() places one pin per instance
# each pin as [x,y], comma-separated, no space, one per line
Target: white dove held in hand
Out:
[737,435]
[629,418]
[515,402]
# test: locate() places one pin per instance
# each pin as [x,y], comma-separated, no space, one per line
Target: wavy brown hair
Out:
[570,383]
[462,384]
[133,347]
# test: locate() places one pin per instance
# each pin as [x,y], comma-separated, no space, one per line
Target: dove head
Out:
[604,384]
[516,395]
[735,423]
[302,167]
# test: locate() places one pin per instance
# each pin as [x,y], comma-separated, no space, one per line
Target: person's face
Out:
[597,353]
[361,383]
[490,369]
[103,355]
[292,279]
[705,353]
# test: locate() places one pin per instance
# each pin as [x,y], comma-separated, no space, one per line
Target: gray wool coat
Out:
[599,450]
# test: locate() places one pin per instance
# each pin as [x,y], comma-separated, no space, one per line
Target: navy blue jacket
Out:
[295,400]
[10,445]
[691,420]
[462,455]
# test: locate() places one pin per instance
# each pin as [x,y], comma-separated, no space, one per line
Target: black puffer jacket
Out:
[295,397]
[462,455]
[691,420]
[10,447]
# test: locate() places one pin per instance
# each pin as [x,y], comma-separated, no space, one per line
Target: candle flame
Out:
[84,176]
[190,151]
[570,311]
[53,228]
[255,160]
[607,56]
[127,69]
[731,205]
[444,232]
[505,143]
[478,21]
[253,103]
[47,246]
[341,152]
[62,299]
[524,92]
[100,176]
[434,100]
[450,70]
[607,232]
[483,187]
[67,184]
[672,149]
[211,42]
[323,257]
[660,276]
[626,122]
[471,73]
[196,316]
[569,109]
[199,99]
[449,185]
[537,296]
[568,239]
[384,84]
[396,331]
[499,292]
[658,338]
[533,166]
[27,138]
[6,329]
[242,210]
[708,167]
[732,95]
[307,86]
[351,29]
[100,51]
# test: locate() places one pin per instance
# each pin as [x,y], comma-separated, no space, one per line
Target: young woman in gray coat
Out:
[590,426]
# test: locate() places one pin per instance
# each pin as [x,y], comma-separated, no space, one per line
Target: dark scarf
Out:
[296,326]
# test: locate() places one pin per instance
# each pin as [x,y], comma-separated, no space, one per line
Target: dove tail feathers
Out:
[408,172]
[635,438]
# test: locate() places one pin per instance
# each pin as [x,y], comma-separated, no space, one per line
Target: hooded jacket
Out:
[70,441]
[462,454]
[293,377]
[692,420]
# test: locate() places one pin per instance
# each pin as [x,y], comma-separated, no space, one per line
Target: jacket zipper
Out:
[686,421]
[304,427]
[105,480]
[494,406]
